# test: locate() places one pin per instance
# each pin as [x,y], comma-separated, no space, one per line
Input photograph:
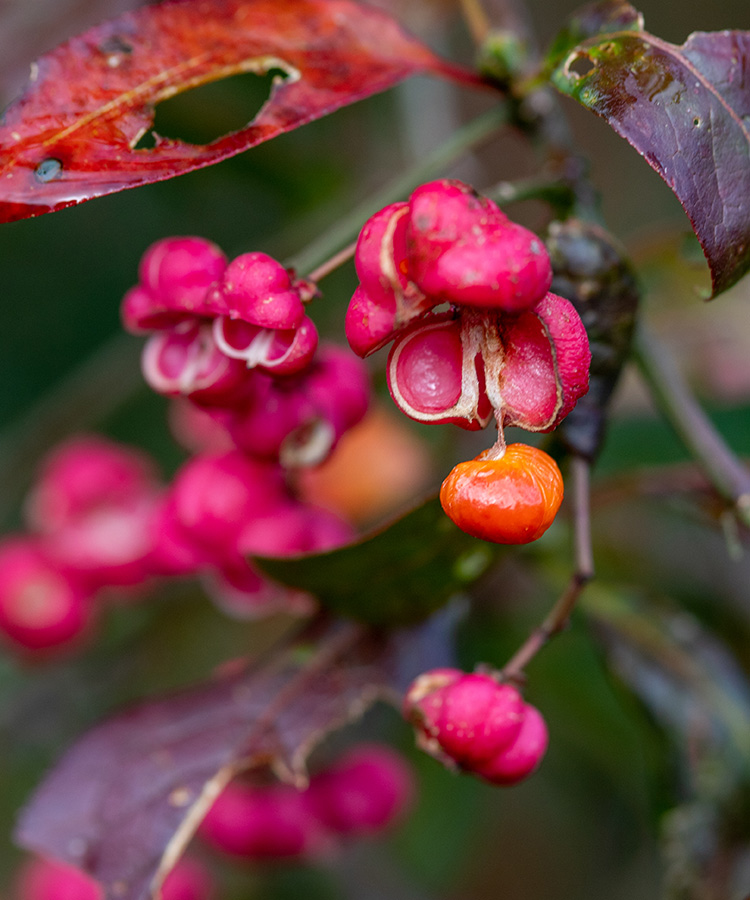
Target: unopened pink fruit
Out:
[41,606]
[365,790]
[523,756]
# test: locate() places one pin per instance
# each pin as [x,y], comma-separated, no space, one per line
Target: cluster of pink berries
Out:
[476,723]
[364,792]
[504,346]
[46,879]
[102,525]
[235,340]
[88,519]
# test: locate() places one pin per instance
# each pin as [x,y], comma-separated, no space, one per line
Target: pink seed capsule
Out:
[186,362]
[41,606]
[178,271]
[142,312]
[338,385]
[84,474]
[257,289]
[443,213]
[386,300]
[188,880]
[545,364]
[435,374]
[274,409]
[503,267]
[470,719]
[365,791]
[264,822]
[110,546]
[48,879]
[282,352]
[214,495]
[522,757]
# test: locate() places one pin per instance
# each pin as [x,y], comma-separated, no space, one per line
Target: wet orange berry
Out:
[510,500]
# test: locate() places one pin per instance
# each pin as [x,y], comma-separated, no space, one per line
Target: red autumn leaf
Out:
[72,133]
[125,800]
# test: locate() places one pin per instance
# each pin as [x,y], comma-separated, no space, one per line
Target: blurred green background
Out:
[595,820]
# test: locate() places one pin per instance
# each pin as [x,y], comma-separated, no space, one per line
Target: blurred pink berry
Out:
[264,822]
[47,879]
[214,495]
[338,386]
[173,551]
[477,723]
[188,880]
[365,791]
[522,757]
[197,428]
[293,528]
[110,546]
[238,589]
[300,418]
[41,606]
[84,474]
[470,718]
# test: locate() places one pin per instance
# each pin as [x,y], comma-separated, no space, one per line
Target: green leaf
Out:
[683,108]
[398,575]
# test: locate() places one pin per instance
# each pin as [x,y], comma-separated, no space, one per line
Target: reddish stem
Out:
[331,264]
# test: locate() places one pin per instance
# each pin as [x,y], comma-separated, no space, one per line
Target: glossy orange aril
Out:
[509,500]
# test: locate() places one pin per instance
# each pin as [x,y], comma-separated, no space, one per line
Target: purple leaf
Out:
[685,110]
[125,800]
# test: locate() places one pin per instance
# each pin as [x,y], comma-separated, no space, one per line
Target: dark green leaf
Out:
[685,110]
[401,574]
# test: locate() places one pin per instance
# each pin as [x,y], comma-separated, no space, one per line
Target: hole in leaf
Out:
[697,122]
[581,66]
[207,112]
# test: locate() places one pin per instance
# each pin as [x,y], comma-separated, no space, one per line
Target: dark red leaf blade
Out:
[71,135]
[684,109]
[123,803]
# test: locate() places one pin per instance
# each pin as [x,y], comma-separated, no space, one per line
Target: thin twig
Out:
[559,616]
[729,476]
[330,265]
